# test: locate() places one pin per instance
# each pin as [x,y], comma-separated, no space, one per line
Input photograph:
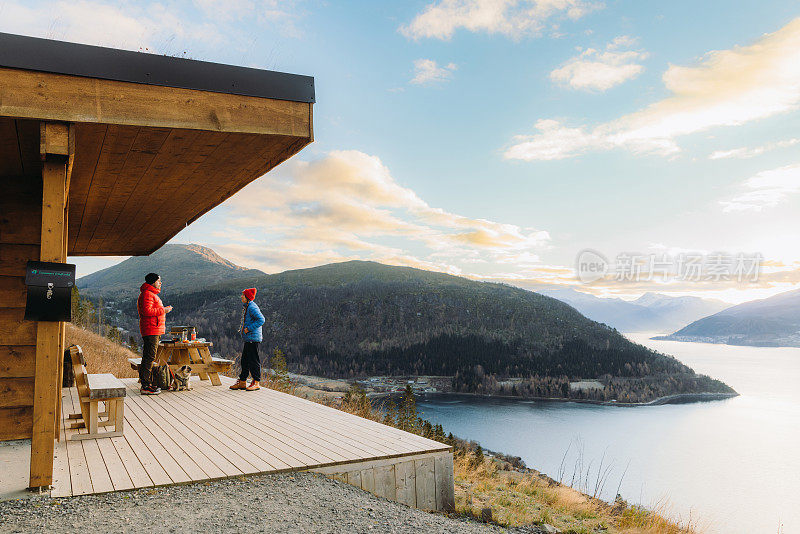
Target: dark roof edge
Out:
[61,57]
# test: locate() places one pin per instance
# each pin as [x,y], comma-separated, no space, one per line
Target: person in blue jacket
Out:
[252,320]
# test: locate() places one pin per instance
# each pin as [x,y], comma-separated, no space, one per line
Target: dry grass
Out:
[102,355]
[521,498]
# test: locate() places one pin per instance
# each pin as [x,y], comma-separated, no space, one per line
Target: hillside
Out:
[365,319]
[652,312]
[770,322]
[182,268]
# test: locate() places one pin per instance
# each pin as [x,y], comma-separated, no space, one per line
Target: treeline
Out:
[90,315]
[472,356]
[623,390]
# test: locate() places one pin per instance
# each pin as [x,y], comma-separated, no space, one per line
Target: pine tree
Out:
[427,430]
[478,458]
[278,365]
[114,334]
[407,417]
[390,417]
[132,343]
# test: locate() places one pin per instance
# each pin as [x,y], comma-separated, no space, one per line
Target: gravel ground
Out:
[296,502]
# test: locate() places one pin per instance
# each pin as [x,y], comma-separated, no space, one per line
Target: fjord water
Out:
[732,466]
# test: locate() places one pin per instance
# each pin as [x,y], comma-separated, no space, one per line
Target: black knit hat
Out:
[151,278]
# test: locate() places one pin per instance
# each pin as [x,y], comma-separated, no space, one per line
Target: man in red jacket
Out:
[152,325]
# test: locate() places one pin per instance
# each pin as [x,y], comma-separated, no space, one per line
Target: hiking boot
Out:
[254,386]
[240,384]
[150,390]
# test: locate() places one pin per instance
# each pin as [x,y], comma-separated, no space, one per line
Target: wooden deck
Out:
[211,432]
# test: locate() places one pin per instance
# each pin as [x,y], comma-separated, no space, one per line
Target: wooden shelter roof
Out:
[156,141]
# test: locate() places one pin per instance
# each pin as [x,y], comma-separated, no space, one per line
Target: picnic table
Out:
[195,354]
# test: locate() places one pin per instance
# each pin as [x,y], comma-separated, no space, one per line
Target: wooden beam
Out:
[53,139]
[49,335]
[58,97]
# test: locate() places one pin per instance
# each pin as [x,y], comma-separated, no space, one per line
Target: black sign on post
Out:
[49,291]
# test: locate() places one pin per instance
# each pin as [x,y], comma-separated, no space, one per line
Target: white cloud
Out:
[745,152]
[147,26]
[513,18]
[427,71]
[726,88]
[347,205]
[600,70]
[765,190]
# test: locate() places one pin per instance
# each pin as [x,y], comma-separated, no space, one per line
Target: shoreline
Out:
[710,340]
[678,398]
[322,386]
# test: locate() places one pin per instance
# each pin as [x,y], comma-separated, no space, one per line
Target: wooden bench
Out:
[92,390]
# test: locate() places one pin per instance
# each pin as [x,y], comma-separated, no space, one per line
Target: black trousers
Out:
[149,349]
[251,361]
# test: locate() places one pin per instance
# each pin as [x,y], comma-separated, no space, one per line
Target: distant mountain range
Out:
[181,267]
[770,322]
[362,318]
[652,312]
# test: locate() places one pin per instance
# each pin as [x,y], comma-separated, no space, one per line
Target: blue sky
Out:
[497,139]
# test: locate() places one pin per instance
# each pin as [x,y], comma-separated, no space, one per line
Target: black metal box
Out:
[49,291]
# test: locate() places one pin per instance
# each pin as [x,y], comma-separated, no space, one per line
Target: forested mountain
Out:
[182,268]
[652,312]
[362,318]
[770,322]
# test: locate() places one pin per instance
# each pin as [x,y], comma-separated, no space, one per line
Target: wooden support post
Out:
[55,148]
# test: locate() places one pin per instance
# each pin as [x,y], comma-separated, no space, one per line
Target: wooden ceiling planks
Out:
[147,144]
[90,137]
[151,185]
[168,196]
[116,144]
[269,154]
[133,188]
[10,160]
[194,194]
[28,135]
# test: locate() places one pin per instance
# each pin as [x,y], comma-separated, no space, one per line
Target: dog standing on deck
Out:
[180,380]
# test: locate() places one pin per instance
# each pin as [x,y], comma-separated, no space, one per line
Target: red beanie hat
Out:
[249,294]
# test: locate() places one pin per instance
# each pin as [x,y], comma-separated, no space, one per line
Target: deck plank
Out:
[196,465]
[133,466]
[155,471]
[144,440]
[172,421]
[373,436]
[333,414]
[80,480]
[292,454]
[98,472]
[211,432]
[114,464]
[368,442]
[62,486]
[333,450]
[336,431]
[312,452]
[350,427]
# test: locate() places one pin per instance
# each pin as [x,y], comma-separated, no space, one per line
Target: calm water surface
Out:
[732,466]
